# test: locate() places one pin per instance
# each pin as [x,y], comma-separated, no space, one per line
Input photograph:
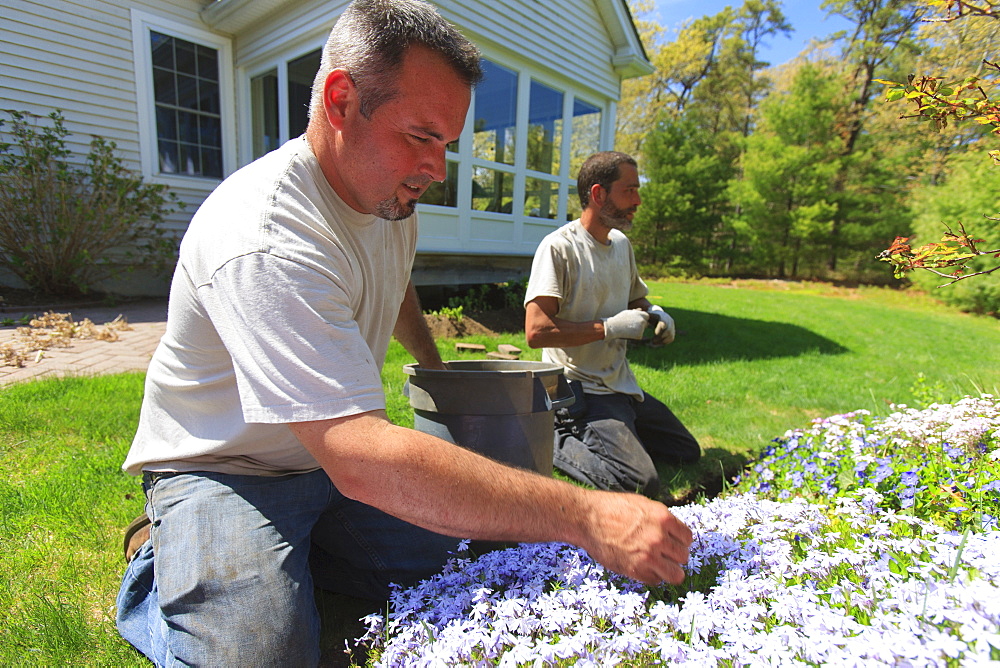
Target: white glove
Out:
[629,324]
[664,330]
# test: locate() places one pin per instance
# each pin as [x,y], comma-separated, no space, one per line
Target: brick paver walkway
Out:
[131,352]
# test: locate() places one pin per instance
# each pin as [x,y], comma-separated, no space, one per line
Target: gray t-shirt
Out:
[281,309]
[592,281]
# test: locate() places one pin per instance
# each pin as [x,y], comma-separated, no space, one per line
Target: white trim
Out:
[305,41]
[142,24]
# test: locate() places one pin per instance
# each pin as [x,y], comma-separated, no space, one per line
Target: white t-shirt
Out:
[592,281]
[281,309]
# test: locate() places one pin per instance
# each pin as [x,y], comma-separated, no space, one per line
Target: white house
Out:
[191,90]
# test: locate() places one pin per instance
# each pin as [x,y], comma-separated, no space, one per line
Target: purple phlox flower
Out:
[883,471]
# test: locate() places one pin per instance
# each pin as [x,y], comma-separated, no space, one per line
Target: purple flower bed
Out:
[849,576]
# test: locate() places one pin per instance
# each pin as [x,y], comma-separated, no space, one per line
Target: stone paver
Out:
[131,352]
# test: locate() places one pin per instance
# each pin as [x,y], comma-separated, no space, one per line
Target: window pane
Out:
[187,126]
[187,91]
[166,123]
[164,89]
[162,50]
[586,137]
[211,162]
[190,160]
[301,73]
[573,208]
[187,106]
[208,99]
[541,198]
[545,119]
[492,190]
[184,52]
[264,109]
[168,156]
[209,131]
[444,193]
[495,114]
[208,64]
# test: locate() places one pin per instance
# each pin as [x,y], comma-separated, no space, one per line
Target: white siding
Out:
[565,38]
[78,57]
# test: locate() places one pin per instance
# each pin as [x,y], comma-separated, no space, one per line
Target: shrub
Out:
[65,226]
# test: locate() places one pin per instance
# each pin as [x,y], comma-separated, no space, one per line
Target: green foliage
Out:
[488,296]
[66,227]
[964,194]
[453,313]
[679,225]
[940,463]
[746,365]
[786,200]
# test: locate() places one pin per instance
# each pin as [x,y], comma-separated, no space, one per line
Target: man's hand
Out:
[664,330]
[629,324]
[639,538]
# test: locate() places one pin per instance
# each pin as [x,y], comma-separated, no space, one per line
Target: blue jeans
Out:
[609,441]
[227,576]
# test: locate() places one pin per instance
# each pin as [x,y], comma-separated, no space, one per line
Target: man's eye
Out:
[419,139]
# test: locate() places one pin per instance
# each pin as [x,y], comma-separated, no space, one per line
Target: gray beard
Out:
[393,209]
[615,218]
[622,224]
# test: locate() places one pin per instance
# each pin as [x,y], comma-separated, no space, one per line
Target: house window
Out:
[265,120]
[534,175]
[281,99]
[187,104]
[495,115]
[184,93]
[545,128]
[585,140]
[444,193]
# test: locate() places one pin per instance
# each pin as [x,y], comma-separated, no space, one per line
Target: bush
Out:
[65,227]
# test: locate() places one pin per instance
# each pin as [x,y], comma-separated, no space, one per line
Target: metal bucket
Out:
[503,409]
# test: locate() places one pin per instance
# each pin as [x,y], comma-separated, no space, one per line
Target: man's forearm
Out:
[450,490]
[411,331]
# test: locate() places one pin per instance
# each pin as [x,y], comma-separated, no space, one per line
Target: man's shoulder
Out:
[563,236]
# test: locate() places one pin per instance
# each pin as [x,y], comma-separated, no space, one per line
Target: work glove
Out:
[629,324]
[663,326]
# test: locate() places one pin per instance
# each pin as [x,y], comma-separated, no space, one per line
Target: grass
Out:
[748,364]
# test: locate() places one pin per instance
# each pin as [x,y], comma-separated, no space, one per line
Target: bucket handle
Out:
[564,394]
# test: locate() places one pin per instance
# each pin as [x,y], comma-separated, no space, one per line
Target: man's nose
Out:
[435,164]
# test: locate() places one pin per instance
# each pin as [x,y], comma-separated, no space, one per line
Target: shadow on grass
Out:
[717,469]
[704,338]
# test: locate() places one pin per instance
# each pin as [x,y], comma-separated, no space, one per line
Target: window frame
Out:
[142,25]
[276,60]
[565,181]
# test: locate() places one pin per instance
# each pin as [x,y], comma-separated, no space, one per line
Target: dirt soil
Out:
[489,323]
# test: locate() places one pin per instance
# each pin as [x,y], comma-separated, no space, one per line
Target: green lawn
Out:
[748,364]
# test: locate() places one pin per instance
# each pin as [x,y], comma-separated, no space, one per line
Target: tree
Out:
[969,100]
[785,209]
[676,228]
[882,29]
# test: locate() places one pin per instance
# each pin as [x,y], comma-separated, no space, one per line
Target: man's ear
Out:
[339,94]
[598,194]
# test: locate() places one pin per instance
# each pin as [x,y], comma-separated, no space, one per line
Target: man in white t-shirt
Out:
[268,463]
[584,302]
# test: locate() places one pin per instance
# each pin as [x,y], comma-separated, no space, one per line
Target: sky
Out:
[805,16]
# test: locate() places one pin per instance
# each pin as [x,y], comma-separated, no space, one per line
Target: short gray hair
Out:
[370,39]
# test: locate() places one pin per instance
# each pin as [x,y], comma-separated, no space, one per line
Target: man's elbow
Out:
[534,337]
